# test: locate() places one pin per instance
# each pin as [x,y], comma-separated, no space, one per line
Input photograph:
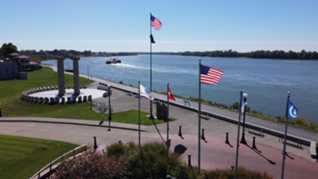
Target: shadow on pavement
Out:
[257,151]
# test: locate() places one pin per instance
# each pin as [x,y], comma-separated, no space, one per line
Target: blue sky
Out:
[123,25]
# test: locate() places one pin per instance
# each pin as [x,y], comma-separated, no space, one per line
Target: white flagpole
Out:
[150,86]
[285,138]
[139,122]
[238,136]
[110,108]
[168,113]
[199,119]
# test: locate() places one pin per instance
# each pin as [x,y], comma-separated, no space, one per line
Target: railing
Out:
[48,169]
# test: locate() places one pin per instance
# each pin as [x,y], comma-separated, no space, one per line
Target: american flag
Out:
[155,22]
[210,76]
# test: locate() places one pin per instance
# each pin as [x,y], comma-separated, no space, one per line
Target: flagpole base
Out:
[243,140]
[149,116]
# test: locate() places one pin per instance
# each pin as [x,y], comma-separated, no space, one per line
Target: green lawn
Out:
[10,92]
[12,106]
[21,157]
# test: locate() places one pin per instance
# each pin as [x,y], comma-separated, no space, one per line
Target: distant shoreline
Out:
[239,57]
[259,54]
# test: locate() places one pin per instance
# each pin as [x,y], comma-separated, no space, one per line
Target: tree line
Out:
[259,54]
[8,48]
[271,54]
[85,53]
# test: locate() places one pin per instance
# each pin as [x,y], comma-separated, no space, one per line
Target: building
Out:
[8,70]
[16,66]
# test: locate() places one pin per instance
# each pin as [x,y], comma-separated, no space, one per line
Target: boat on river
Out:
[113,61]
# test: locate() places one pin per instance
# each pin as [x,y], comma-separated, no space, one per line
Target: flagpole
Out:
[110,108]
[139,122]
[199,119]
[88,71]
[285,138]
[238,135]
[150,86]
[168,105]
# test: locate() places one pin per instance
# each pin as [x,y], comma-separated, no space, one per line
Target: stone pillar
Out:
[76,77]
[60,73]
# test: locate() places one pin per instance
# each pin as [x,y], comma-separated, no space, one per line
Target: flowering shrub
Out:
[128,161]
[92,166]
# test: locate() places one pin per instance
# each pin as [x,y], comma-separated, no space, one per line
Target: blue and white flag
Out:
[244,102]
[292,111]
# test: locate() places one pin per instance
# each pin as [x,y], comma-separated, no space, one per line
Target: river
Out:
[267,81]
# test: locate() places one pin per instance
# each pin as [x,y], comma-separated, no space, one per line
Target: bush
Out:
[153,158]
[117,150]
[92,166]
[151,162]
[128,161]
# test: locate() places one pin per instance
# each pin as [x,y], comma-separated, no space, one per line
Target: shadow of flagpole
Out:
[261,155]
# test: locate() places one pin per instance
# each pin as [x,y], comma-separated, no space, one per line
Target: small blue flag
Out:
[292,111]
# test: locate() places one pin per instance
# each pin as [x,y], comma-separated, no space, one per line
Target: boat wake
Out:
[125,65]
[155,69]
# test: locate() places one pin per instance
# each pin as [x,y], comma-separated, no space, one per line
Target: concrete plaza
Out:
[215,153]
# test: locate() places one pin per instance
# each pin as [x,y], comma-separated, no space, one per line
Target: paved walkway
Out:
[221,112]
[215,153]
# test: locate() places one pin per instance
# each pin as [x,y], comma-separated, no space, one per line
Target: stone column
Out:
[60,73]
[76,77]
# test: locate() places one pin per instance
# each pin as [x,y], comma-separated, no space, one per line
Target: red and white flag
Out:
[170,95]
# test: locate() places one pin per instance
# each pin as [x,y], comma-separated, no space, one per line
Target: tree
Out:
[8,48]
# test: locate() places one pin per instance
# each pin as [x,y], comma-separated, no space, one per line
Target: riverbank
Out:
[228,113]
[264,80]
[299,122]
[231,116]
